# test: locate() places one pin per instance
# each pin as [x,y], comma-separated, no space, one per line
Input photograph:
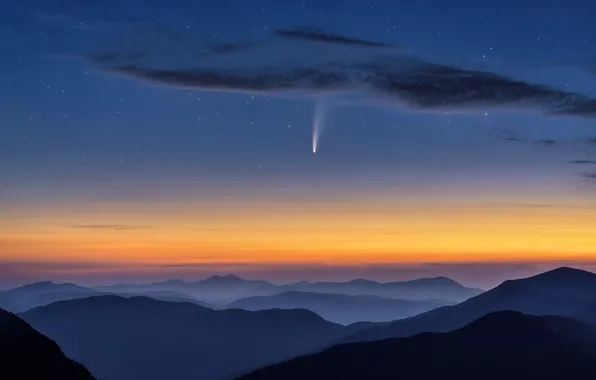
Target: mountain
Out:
[442,288]
[588,314]
[500,345]
[26,354]
[44,293]
[213,290]
[229,288]
[340,308]
[562,291]
[141,338]
[41,293]
[163,296]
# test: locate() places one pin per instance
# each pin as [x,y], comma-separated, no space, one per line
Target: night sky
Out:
[152,139]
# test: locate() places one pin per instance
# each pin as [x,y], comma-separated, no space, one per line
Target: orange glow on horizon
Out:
[347,232]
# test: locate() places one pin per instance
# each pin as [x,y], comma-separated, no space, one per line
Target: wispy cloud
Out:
[402,80]
[317,35]
[113,227]
[589,175]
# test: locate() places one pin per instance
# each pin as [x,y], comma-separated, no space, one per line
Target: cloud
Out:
[402,80]
[113,227]
[547,142]
[534,205]
[589,175]
[583,162]
[330,38]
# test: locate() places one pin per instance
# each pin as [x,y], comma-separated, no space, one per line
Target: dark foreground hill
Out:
[562,291]
[502,345]
[25,354]
[588,314]
[144,339]
[341,308]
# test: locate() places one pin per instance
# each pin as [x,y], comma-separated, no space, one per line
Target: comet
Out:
[318,123]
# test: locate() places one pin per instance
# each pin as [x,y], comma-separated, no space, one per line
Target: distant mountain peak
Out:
[228,278]
[565,272]
[48,284]
[39,284]
[440,280]
[362,281]
[174,282]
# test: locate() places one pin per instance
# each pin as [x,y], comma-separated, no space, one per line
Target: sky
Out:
[145,140]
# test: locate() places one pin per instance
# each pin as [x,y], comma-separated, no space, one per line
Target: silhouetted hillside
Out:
[41,293]
[340,308]
[588,314]
[563,291]
[501,345]
[145,339]
[441,288]
[44,293]
[26,354]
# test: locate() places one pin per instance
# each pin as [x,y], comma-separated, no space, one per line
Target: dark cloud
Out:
[271,81]
[330,38]
[589,175]
[112,58]
[225,48]
[583,162]
[547,142]
[113,227]
[403,80]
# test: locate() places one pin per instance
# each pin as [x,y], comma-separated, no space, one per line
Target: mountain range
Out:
[142,338]
[221,290]
[126,337]
[341,308]
[441,288]
[27,354]
[500,345]
[44,293]
[563,291]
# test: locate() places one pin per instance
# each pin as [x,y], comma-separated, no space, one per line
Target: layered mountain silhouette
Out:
[501,345]
[27,354]
[441,288]
[215,289]
[41,293]
[562,291]
[340,308]
[44,293]
[141,338]
[229,288]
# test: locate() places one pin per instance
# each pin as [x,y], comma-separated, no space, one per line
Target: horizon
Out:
[502,277]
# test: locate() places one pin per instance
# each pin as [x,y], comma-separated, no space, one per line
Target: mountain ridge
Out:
[27,354]
[162,339]
[504,344]
[532,295]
